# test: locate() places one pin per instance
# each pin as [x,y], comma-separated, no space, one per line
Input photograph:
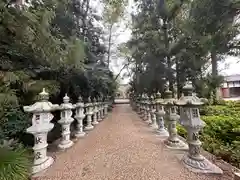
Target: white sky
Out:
[230,66]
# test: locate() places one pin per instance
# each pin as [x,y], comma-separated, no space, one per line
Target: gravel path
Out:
[122,147]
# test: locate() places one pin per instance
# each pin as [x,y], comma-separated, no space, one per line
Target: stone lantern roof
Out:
[152,101]
[188,99]
[168,100]
[158,99]
[145,99]
[89,103]
[43,105]
[80,102]
[66,103]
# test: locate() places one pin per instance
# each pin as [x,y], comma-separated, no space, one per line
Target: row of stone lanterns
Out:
[165,110]
[41,125]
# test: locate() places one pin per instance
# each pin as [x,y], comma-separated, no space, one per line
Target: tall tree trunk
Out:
[178,79]
[214,73]
[109,45]
[169,64]
[137,75]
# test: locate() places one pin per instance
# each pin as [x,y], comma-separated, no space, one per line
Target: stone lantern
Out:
[89,113]
[160,113]
[102,109]
[65,121]
[141,105]
[40,127]
[190,119]
[105,108]
[172,117]
[95,110]
[80,116]
[148,110]
[138,105]
[154,124]
[99,110]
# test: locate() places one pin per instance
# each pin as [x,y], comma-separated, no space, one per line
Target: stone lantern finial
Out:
[80,99]
[158,95]
[188,89]
[89,99]
[167,86]
[66,99]
[44,96]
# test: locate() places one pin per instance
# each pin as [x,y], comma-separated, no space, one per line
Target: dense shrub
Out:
[221,136]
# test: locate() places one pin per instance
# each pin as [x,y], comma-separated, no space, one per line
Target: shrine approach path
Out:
[122,147]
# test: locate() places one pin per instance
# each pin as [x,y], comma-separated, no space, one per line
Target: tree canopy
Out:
[176,41]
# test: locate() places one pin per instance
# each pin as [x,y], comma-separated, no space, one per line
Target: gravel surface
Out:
[122,147]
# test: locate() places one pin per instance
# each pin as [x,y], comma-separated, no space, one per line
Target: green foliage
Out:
[181,131]
[221,135]
[14,162]
[46,46]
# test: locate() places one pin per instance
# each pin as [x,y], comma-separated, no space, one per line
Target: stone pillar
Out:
[154,124]
[190,119]
[144,115]
[172,117]
[105,109]
[65,121]
[149,109]
[102,110]
[99,110]
[89,113]
[160,116]
[142,106]
[79,117]
[95,111]
[40,127]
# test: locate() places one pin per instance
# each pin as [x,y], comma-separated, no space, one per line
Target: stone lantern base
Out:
[65,145]
[178,144]
[88,127]
[95,122]
[200,166]
[162,132]
[40,167]
[80,134]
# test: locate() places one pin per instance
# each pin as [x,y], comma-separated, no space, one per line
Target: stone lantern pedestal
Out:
[145,105]
[172,142]
[65,121]
[79,117]
[105,109]
[40,127]
[143,113]
[102,111]
[95,111]
[161,131]
[41,160]
[99,110]
[89,113]
[190,119]
[149,118]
